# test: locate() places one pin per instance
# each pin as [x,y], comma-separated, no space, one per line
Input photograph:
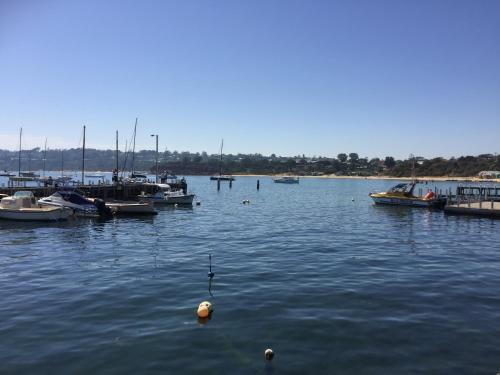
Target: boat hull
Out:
[180,199]
[35,214]
[404,201]
[222,178]
[132,208]
[78,210]
[170,200]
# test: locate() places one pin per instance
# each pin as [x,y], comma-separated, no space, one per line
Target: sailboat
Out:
[134,177]
[220,176]
[28,174]
[63,179]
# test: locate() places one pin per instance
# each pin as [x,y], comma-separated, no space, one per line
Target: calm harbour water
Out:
[332,285]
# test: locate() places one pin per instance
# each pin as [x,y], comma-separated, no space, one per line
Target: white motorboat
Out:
[286,180]
[22,206]
[131,208]
[165,195]
[402,195]
[81,205]
[29,174]
[94,175]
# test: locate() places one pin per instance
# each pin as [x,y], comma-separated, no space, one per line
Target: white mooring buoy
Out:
[269,354]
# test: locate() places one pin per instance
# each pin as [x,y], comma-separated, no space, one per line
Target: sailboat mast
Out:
[133,147]
[19,163]
[44,156]
[83,157]
[220,159]
[62,162]
[117,151]
[412,157]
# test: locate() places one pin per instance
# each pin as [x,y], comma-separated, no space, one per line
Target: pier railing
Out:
[477,196]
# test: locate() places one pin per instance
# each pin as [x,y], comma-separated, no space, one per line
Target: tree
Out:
[389,162]
[353,158]
[342,157]
[374,165]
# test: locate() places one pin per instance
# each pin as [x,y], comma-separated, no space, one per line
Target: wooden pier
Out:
[474,200]
[103,191]
[490,209]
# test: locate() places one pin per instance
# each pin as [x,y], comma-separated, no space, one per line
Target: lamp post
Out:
[156,135]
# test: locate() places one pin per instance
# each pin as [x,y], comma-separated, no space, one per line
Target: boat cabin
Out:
[21,199]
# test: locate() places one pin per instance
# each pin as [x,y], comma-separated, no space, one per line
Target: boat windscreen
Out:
[399,188]
[23,194]
[73,197]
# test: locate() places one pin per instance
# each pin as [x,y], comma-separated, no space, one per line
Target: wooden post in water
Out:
[230,183]
[218,184]
[258,185]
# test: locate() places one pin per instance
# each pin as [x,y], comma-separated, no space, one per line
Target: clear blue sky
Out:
[290,77]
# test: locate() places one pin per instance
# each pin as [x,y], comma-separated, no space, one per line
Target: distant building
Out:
[489,174]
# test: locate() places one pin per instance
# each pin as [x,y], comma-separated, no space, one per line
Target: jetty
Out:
[474,200]
[481,208]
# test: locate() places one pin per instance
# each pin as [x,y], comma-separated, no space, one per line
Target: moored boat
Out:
[131,208]
[222,177]
[94,175]
[402,195]
[286,180]
[5,173]
[165,195]
[81,205]
[29,174]
[22,206]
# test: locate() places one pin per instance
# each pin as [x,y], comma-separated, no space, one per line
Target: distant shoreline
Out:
[423,178]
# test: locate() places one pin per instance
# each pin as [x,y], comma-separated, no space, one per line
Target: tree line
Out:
[187,163]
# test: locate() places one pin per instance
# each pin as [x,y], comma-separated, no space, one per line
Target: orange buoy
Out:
[204,309]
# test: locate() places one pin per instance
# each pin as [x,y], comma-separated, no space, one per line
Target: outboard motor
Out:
[102,209]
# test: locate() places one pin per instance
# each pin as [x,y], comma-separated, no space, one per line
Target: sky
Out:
[376,77]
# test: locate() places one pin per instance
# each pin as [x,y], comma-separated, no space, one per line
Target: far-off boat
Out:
[22,206]
[286,180]
[402,195]
[222,177]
